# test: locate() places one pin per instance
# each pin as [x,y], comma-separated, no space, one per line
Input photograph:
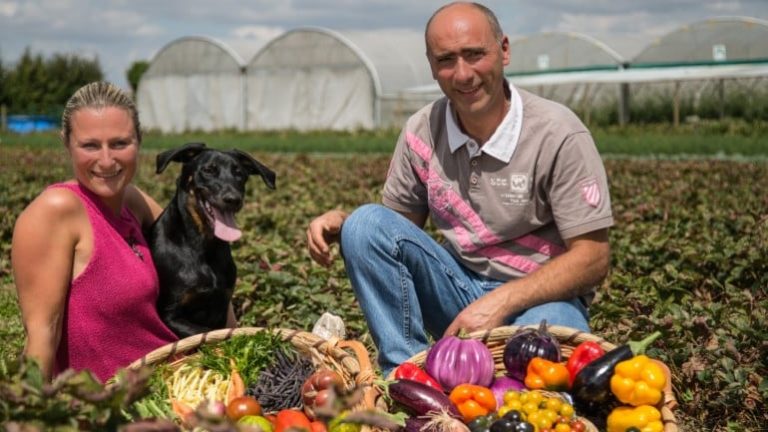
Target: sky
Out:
[120,32]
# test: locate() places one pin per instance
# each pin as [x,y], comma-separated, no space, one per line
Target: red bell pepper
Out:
[584,353]
[412,371]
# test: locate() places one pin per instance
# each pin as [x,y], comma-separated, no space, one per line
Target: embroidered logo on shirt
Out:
[590,192]
[513,190]
[518,183]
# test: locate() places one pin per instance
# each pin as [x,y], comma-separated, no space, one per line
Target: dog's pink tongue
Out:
[225,227]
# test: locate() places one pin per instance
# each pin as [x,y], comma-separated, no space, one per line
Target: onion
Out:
[527,344]
[444,422]
[502,384]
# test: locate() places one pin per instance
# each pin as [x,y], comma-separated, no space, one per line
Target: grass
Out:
[723,139]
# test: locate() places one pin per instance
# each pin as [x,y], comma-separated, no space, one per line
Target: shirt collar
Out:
[502,144]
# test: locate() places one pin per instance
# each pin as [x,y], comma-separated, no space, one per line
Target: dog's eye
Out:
[211,169]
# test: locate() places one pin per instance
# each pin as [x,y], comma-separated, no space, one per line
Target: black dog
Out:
[190,240]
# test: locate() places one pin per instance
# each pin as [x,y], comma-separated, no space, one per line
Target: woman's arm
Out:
[44,256]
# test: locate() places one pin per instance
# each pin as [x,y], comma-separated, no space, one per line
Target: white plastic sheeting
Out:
[316,78]
[193,83]
[556,51]
[715,40]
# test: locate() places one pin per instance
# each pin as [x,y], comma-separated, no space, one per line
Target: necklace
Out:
[132,243]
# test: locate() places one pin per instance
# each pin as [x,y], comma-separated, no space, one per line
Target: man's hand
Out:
[583,266]
[322,232]
[485,313]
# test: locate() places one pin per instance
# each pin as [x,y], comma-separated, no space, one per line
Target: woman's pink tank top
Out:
[111,317]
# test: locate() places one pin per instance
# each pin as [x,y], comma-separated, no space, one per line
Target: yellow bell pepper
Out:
[645,418]
[638,381]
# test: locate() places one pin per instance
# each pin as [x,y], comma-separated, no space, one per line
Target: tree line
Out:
[38,85]
[41,86]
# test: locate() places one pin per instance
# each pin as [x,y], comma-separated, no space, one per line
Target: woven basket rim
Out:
[300,338]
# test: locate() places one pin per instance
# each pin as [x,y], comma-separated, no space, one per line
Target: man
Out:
[513,183]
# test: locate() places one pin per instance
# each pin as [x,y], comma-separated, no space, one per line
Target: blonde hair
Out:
[98,94]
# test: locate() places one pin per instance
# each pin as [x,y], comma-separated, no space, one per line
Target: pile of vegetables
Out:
[253,382]
[260,383]
[458,389]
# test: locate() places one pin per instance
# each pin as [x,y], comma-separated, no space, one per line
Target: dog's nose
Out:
[231,199]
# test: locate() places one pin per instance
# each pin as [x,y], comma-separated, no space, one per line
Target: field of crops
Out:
[689,259]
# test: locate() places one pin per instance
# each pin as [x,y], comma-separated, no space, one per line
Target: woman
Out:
[86,282]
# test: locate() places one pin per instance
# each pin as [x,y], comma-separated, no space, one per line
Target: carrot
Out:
[236,386]
[182,410]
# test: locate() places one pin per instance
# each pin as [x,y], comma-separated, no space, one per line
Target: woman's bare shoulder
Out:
[54,203]
[55,212]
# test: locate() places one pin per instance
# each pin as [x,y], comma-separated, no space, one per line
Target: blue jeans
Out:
[409,286]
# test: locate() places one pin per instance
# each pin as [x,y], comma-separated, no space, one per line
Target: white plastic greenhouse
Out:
[717,40]
[556,51]
[316,78]
[194,83]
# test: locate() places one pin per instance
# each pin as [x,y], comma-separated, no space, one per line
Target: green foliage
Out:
[249,355]
[42,86]
[653,103]
[135,72]
[73,401]
[688,248]
[3,91]
[729,138]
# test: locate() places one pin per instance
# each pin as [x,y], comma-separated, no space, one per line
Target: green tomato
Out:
[336,424]
[345,427]
[259,421]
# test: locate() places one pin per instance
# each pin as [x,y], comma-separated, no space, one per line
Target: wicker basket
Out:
[348,358]
[569,338]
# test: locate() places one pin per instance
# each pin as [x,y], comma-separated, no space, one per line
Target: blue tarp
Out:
[31,123]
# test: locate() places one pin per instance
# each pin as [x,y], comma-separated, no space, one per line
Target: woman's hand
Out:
[322,232]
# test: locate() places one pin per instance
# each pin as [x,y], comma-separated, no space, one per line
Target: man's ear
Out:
[505,53]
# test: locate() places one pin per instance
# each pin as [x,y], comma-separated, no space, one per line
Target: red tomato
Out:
[243,406]
[289,418]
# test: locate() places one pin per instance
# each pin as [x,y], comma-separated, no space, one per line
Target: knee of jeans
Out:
[564,313]
[359,227]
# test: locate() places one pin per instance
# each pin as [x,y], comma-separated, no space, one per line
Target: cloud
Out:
[726,7]
[8,8]
[257,32]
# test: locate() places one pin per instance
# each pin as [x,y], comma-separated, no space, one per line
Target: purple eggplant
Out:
[414,424]
[526,344]
[420,399]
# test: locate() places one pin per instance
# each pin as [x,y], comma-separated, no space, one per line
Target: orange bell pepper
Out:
[473,401]
[543,374]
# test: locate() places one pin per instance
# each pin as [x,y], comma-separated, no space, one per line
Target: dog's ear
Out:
[183,154]
[253,166]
